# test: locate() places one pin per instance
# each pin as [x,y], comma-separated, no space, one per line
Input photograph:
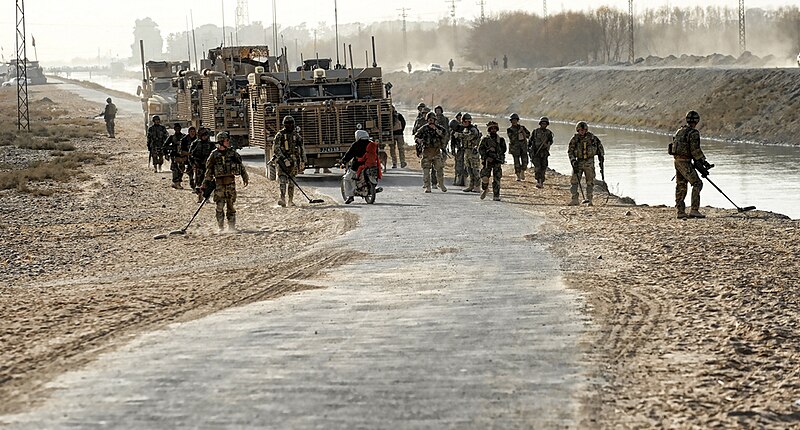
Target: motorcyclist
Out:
[363,153]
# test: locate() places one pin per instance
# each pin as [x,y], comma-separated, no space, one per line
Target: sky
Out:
[85,28]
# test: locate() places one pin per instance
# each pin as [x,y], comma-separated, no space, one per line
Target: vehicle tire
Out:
[370,197]
[341,185]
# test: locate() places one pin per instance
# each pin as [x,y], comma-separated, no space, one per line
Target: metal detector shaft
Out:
[748,208]
[195,215]
[280,165]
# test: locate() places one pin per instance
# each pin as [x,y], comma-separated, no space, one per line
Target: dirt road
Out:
[453,318]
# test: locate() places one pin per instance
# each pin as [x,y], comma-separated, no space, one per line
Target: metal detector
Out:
[310,200]
[744,209]
[183,230]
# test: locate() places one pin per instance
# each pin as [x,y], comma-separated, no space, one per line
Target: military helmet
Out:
[177,126]
[492,124]
[108,100]
[513,117]
[222,135]
[202,132]
[362,134]
[581,125]
[421,106]
[430,116]
[692,116]
[288,119]
[545,120]
[439,108]
[156,118]
[458,115]
[466,117]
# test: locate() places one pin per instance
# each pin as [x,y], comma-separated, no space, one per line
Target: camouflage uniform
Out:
[222,167]
[183,155]
[199,151]
[492,149]
[290,158]
[109,114]
[686,147]
[430,142]
[177,160]
[398,144]
[457,150]
[518,147]
[581,151]
[157,136]
[539,148]
[470,139]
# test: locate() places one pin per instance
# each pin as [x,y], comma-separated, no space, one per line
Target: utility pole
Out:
[242,13]
[23,117]
[482,3]
[336,29]
[544,9]
[404,15]
[742,33]
[275,27]
[453,17]
[631,52]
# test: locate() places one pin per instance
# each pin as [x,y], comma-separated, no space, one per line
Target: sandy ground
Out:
[695,323]
[81,271]
[757,105]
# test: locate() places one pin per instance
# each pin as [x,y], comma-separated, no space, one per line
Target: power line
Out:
[404,15]
[482,3]
[742,30]
[631,53]
[544,9]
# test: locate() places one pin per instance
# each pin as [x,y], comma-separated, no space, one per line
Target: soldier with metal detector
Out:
[583,147]
[289,156]
[689,159]
[222,167]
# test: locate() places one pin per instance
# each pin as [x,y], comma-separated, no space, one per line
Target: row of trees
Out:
[528,40]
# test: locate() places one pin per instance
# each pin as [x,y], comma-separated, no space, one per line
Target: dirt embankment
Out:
[79,269]
[759,105]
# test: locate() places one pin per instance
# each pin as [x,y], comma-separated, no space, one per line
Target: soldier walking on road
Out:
[539,149]
[518,136]
[109,114]
[470,140]
[583,147]
[430,141]
[493,151]
[173,147]
[199,151]
[157,136]
[290,158]
[222,167]
[398,144]
[409,67]
[456,149]
[686,148]
[451,64]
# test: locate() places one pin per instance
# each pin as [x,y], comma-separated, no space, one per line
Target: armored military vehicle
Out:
[328,106]
[157,92]
[33,71]
[222,91]
[188,84]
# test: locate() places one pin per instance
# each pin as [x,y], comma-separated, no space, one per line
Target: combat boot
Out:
[403,164]
[155,169]
[682,214]
[522,175]
[539,184]
[428,189]
[694,213]
[177,185]
[282,199]
[573,202]
[220,225]
[291,197]
[467,190]
[496,198]
[232,223]
[199,198]
[443,188]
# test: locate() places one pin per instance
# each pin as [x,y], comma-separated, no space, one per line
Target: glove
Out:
[302,166]
[574,163]
[287,162]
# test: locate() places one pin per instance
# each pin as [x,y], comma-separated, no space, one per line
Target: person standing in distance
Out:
[109,114]
[686,151]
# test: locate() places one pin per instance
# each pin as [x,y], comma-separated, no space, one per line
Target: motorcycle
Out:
[366,184]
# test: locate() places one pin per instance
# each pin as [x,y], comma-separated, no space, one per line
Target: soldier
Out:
[198,155]
[442,122]
[583,147]
[157,135]
[685,147]
[173,147]
[451,64]
[456,149]
[493,151]
[222,167]
[430,141]
[409,67]
[470,140]
[539,148]
[183,153]
[518,146]
[289,155]
[109,114]
[422,113]
[398,144]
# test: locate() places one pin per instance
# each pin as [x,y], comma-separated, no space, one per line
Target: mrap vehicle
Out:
[328,106]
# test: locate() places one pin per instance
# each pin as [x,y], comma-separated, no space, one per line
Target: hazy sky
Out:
[82,28]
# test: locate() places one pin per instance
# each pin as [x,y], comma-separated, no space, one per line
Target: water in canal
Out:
[637,165]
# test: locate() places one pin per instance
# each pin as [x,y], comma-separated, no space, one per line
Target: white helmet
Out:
[362,134]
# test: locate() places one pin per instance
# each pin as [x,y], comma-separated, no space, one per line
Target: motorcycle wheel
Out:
[341,185]
[370,197]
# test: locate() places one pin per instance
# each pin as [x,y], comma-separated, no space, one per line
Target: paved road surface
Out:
[457,319]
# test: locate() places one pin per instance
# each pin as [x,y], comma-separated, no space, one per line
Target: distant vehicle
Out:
[435,68]
[13,81]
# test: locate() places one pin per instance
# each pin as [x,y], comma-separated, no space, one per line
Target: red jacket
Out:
[370,159]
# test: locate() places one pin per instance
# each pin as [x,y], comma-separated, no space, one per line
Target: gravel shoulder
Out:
[82,273]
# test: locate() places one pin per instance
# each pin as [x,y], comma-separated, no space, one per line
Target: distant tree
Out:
[147,30]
